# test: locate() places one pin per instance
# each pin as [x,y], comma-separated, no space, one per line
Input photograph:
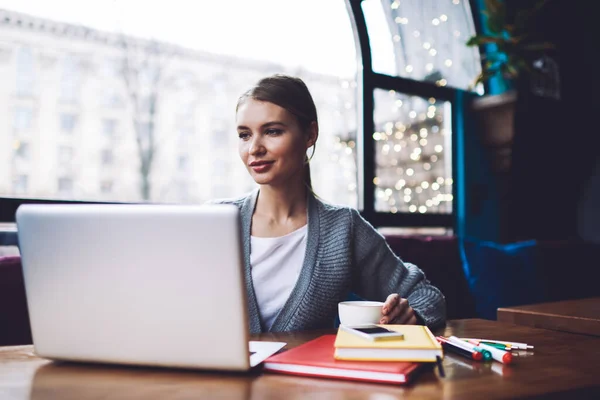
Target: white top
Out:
[276,263]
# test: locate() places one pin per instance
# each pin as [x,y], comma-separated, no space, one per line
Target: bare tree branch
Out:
[143,70]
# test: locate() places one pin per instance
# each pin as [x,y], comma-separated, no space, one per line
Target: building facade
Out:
[93,115]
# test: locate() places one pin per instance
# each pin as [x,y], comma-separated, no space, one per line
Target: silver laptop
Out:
[159,285]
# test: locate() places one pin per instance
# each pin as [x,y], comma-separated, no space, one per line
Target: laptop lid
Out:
[157,285]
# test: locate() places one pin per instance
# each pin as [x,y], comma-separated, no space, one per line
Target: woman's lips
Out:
[261,166]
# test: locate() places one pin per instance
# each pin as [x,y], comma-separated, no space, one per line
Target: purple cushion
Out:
[14,317]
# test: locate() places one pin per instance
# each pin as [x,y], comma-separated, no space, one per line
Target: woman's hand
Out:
[397,311]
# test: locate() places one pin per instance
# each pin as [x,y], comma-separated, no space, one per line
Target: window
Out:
[70,84]
[106,187]
[418,66]
[387,127]
[65,185]
[24,66]
[165,83]
[111,98]
[111,67]
[423,40]
[65,155]
[20,184]
[413,157]
[107,157]
[22,150]
[109,127]
[67,123]
[185,131]
[22,119]
[183,163]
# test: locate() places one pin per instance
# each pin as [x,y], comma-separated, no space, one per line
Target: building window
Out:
[67,123]
[183,163]
[107,157]
[22,150]
[65,155]
[22,119]
[112,99]
[65,185]
[109,127]
[185,131]
[20,184]
[70,84]
[25,72]
[106,187]
[111,67]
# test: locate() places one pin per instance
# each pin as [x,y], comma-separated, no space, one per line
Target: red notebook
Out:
[315,358]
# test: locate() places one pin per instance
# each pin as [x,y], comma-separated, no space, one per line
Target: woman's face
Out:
[272,145]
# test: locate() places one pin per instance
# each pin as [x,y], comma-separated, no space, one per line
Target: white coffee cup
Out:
[359,312]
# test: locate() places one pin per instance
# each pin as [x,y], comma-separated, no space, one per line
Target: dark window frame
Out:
[368,82]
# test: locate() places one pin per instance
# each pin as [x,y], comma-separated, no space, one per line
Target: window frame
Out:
[367,82]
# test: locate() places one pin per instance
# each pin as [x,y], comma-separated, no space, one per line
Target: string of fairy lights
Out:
[429,37]
[412,171]
[413,136]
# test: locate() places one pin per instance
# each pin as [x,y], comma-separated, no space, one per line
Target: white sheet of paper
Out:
[263,350]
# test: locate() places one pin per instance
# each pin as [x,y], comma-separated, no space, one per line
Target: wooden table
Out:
[563,366]
[576,316]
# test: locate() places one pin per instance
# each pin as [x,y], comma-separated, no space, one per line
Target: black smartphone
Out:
[373,332]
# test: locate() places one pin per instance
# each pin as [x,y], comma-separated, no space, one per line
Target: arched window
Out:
[416,64]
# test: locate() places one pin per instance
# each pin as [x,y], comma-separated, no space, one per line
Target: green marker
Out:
[486,354]
[497,345]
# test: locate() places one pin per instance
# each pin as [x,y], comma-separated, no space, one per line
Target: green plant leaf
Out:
[510,71]
[510,46]
[495,16]
[494,6]
[481,40]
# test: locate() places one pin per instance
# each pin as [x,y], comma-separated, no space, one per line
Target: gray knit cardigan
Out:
[344,254]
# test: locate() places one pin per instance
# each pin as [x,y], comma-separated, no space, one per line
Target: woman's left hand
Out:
[397,311]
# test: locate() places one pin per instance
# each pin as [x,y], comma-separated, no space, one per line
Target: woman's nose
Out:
[256,146]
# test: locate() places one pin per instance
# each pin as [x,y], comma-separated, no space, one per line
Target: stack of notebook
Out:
[347,356]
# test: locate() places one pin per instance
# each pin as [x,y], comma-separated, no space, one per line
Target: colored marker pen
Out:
[456,349]
[514,345]
[496,345]
[487,355]
[499,355]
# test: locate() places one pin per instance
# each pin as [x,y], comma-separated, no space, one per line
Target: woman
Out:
[303,256]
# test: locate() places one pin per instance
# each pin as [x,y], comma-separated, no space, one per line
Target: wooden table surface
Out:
[575,316]
[563,365]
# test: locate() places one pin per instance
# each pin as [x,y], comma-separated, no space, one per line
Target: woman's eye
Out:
[273,132]
[243,135]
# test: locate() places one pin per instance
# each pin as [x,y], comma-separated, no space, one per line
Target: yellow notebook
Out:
[418,345]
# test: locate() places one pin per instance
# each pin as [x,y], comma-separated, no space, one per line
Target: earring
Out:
[311,154]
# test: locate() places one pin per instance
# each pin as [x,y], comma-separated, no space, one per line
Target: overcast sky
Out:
[314,33]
